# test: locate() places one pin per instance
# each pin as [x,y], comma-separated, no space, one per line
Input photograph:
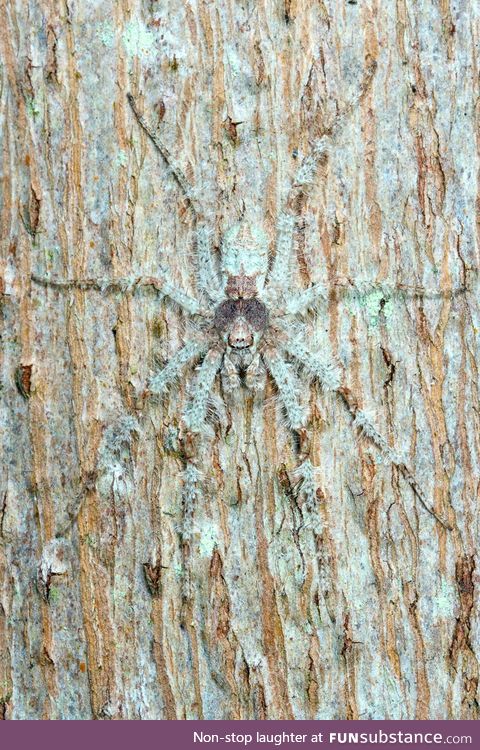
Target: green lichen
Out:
[389,313]
[376,304]
[121,158]
[138,40]
[32,107]
[179,572]
[208,540]
[54,595]
[444,602]
[90,541]
[107,34]
[51,253]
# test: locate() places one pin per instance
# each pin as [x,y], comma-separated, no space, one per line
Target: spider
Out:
[251,322]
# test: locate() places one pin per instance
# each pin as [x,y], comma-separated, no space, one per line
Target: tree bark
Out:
[364,608]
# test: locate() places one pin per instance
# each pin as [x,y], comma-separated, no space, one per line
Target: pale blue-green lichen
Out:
[121,158]
[208,539]
[376,304]
[138,40]
[107,34]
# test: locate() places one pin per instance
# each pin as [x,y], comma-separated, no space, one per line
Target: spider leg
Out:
[255,374]
[183,300]
[196,410]
[308,167]
[329,376]
[364,424]
[279,276]
[208,279]
[191,495]
[308,299]
[307,486]
[395,289]
[190,352]
[165,153]
[324,369]
[230,377]
[288,386]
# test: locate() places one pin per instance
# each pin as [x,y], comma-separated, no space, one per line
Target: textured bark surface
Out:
[366,609]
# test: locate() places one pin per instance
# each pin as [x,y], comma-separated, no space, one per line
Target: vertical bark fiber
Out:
[365,608]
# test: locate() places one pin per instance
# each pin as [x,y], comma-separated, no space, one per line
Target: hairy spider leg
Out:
[191,495]
[306,300]
[310,298]
[288,385]
[396,288]
[305,475]
[367,428]
[255,374]
[279,277]
[324,369]
[183,300]
[187,354]
[230,377]
[102,285]
[208,279]
[329,376]
[165,153]
[196,409]
[308,167]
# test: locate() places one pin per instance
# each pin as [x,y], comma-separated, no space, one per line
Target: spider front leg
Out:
[159,283]
[279,277]
[308,168]
[208,279]
[306,300]
[166,156]
[312,297]
[177,295]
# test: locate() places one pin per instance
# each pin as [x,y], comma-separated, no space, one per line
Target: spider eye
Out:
[225,314]
[255,313]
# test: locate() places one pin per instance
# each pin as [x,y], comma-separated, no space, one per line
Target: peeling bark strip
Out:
[357,603]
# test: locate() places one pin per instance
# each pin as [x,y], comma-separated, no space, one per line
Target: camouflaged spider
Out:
[253,322]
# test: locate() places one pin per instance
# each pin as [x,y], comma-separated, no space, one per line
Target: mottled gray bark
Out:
[365,607]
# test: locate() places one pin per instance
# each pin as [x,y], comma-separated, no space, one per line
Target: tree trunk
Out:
[364,606]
